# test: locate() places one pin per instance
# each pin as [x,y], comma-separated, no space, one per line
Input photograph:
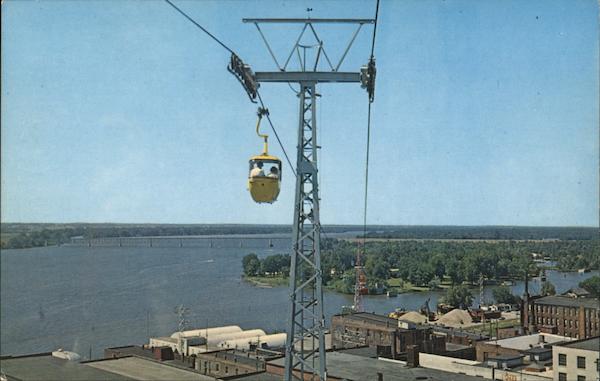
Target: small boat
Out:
[392,293]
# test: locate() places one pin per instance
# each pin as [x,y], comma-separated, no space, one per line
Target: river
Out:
[91,298]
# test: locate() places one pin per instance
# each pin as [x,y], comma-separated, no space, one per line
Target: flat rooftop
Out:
[566,301]
[370,318]
[591,344]
[505,357]
[46,367]
[526,342]
[538,350]
[167,339]
[451,347]
[137,368]
[459,333]
[353,367]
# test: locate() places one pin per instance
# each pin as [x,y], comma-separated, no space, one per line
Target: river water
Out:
[90,298]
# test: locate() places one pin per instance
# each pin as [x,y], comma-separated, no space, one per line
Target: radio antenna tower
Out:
[182,313]
[360,287]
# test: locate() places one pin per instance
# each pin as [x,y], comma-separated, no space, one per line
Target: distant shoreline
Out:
[24,235]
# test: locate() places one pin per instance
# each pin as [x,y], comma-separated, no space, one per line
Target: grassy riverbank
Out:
[402,286]
[267,281]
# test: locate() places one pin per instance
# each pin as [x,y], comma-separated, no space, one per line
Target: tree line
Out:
[22,235]
[428,263]
[486,232]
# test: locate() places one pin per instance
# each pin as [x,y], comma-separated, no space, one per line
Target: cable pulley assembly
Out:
[244,74]
[367,78]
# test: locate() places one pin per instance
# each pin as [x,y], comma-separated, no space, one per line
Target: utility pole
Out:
[305,346]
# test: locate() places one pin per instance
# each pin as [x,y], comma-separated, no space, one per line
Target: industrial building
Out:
[358,366]
[392,338]
[222,363]
[574,317]
[194,342]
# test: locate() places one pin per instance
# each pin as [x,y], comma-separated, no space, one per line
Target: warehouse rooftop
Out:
[591,344]
[353,367]
[138,368]
[44,366]
[566,301]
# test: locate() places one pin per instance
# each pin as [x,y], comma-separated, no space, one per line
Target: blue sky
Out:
[486,113]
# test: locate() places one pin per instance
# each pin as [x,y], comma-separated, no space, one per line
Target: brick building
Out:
[384,333]
[566,316]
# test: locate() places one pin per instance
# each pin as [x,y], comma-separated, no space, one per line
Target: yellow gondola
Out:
[264,175]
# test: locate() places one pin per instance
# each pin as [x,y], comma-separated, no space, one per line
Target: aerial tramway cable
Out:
[360,277]
[232,52]
[276,134]
[369,135]
[200,26]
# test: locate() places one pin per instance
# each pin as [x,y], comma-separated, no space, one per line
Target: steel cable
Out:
[232,52]
[369,139]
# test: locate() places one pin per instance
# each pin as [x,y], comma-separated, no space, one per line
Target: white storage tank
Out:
[208,331]
[270,341]
[251,333]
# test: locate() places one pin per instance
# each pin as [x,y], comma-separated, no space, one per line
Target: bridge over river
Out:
[216,241]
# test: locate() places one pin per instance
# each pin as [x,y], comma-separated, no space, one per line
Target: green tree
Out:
[592,285]
[458,296]
[548,289]
[376,268]
[438,264]
[251,264]
[434,284]
[471,267]
[503,294]
[454,271]
[276,264]
[421,275]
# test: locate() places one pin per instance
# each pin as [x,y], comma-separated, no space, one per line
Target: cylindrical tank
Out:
[208,331]
[216,339]
[271,341]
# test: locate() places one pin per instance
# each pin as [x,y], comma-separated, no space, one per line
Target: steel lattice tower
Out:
[305,347]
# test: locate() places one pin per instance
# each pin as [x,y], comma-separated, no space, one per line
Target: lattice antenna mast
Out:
[360,286]
[305,346]
[481,295]
[182,313]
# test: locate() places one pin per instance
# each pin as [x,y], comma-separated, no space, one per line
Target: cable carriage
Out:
[264,175]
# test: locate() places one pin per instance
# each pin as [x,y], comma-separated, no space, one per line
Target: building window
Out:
[562,377]
[562,359]
[580,378]
[580,362]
